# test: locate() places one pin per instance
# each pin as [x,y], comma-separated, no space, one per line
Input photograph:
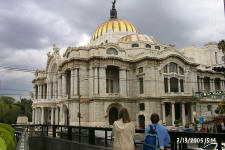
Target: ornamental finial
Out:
[113,12]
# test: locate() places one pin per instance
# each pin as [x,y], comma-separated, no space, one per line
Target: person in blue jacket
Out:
[163,136]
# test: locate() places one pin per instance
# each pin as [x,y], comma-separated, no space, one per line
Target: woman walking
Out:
[123,130]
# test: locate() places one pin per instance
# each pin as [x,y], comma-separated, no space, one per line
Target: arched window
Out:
[135,45]
[148,46]
[173,84]
[112,51]
[157,47]
[173,67]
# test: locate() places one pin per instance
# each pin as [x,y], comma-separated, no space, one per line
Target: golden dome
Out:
[138,37]
[114,25]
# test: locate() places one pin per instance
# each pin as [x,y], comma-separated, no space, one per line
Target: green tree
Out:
[11,109]
[221,45]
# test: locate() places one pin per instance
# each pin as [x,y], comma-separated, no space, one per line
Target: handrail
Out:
[70,132]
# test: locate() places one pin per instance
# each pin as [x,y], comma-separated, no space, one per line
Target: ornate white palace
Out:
[123,68]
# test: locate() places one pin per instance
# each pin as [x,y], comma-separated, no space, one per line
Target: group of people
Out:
[124,130]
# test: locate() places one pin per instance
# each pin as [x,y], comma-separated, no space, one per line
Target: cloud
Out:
[29,28]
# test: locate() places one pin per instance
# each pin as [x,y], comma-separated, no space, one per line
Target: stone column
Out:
[63,85]
[163,112]
[221,84]
[61,114]
[42,115]
[33,116]
[200,84]
[203,86]
[173,113]
[96,77]
[48,92]
[102,81]
[213,84]
[59,86]
[36,116]
[43,90]
[91,81]
[122,82]
[52,116]
[183,114]
[75,82]
[72,82]
[56,115]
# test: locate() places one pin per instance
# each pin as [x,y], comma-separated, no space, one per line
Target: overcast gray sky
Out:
[29,28]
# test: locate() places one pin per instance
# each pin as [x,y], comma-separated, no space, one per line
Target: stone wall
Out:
[48,143]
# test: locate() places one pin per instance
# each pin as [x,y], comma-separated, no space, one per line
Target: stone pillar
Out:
[203,86]
[102,81]
[63,85]
[33,116]
[56,116]
[122,82]
[52,116]
[183,114]
[36,116]
[96,79]
[163,113]
[168,85]
[91,81]
[75,82]
[221,84]
[213,84]
[61,114]
[43,91]
[42,115]
[72,82]
[59,86]
[173,113]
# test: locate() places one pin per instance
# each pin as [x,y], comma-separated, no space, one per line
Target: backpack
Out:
[151,141]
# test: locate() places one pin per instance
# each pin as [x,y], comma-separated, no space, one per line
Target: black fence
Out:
[88,135]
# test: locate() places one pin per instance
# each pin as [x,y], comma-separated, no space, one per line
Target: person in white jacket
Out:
[123,130]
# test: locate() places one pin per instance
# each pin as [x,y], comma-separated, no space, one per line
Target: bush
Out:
[7,127]
[7,135]
[2,144]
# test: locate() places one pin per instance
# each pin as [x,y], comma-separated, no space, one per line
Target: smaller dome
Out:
[137,38]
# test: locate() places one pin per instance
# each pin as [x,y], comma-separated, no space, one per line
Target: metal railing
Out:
[88,135]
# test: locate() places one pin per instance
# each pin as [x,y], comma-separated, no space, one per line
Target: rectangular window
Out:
[181,85]
[107,85]
[173,84]
[198,83]
[141,85]
[142,106]
[166,85]
[140,70]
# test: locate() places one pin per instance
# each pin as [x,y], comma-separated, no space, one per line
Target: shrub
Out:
[7,135]
[2,144]
[7,127]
